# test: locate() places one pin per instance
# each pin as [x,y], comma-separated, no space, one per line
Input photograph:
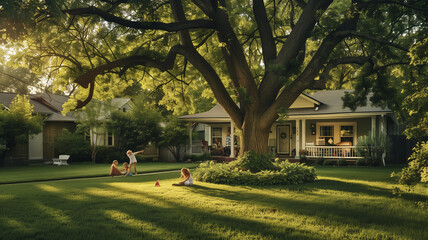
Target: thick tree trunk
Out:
[254,137]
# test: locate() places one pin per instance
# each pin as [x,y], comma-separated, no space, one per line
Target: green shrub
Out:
[417,170]
[361,162]
[320,161]
[286,173]
[255,162]
[342,162]
[73,144]
[108,154]
[198,158]
[372,148]
[330,162]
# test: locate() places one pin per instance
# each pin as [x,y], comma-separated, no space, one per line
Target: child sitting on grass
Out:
[127,170]
[186,177]
[113,169]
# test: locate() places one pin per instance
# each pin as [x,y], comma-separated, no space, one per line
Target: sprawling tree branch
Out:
[324,76]
[306,78]
[236,61]
[371,38]
[268,43]
[89,76]
[404,4]
[170,27]
[271,84]
[211,76]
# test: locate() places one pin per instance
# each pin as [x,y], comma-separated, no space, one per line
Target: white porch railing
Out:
[331,151]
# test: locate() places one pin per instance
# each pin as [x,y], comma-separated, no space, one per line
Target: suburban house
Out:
[316,123]
[41,146]
[103,137]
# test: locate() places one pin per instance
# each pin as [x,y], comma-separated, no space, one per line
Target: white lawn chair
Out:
[61,160]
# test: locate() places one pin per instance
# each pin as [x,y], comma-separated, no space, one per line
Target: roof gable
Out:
[329,103]
[304,101]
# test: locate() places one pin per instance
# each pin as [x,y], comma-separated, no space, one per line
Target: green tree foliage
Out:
[414,111]
[17,124]
[136,128]
[174,136]
[414,114]
[19,80]
[417,170]
[256,57]
[74,144]
[91,120]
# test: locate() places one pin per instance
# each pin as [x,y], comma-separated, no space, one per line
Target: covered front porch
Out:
[311,137]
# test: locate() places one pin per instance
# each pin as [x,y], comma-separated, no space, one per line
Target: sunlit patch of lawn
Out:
[333,207]
[77,170]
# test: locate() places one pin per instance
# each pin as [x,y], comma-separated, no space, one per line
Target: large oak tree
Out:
[256,56]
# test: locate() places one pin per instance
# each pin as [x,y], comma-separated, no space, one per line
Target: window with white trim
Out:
[347,133]
[327,134]
[336,133]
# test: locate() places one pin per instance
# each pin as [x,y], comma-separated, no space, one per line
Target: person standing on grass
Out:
[113,169]
[127,170]
[132,159]
[186,177]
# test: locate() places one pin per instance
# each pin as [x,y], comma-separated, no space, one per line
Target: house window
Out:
[327,135]
[347,134]
[110,139]
[216,133]
[336,133]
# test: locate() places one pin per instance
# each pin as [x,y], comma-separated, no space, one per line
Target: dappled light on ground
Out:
[127,208]
[15,225]
[127,220]
[56,214]
[48,188]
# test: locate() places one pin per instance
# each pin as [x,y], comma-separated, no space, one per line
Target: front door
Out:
[283,138]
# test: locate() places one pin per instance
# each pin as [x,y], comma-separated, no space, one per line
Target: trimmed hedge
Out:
[287,173]
[330,162]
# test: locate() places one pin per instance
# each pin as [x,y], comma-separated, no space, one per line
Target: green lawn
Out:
[344,203]
[76,170]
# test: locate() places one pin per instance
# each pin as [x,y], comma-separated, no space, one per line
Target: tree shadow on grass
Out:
[340,212]
[350,187]
[189,218]
[56,216]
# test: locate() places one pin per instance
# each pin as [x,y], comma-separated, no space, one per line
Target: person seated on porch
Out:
[228,142]
[219,148]
[204,146]
[114,171]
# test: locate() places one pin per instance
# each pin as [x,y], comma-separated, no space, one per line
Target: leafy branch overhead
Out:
[255,56]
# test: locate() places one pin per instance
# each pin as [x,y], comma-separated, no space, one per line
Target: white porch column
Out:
[190,137]
[303,133]
[232,139]
[210,137]
[373,126]
[383,132]
[297,138]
